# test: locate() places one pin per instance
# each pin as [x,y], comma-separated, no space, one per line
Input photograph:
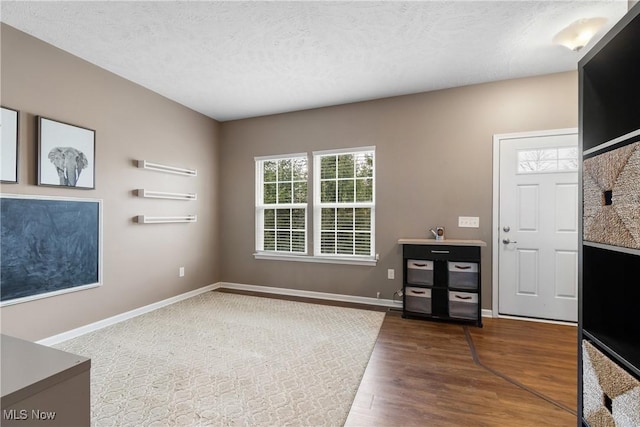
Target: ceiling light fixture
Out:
[578,34]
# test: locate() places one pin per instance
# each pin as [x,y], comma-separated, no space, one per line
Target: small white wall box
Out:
[469,221]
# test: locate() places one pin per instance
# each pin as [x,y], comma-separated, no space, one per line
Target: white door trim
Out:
[495,225]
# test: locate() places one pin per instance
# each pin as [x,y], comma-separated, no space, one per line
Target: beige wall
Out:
[140,262]
[433,159]
[433,164]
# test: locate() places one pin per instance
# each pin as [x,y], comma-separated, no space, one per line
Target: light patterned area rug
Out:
[226,359]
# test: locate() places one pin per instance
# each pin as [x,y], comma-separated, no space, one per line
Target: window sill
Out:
[368,261]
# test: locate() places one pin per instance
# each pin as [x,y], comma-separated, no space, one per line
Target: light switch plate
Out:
[469,221]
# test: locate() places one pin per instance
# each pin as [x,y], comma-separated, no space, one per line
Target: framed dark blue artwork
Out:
[50,245]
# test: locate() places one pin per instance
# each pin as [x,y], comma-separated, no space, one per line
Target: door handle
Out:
[507,241]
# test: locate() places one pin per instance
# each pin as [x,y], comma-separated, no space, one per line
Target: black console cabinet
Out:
[441,280]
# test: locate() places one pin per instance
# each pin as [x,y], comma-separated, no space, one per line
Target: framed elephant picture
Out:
[66,155]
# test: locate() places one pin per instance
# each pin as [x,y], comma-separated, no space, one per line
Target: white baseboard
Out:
[311,294]
[533,319]
[56,339]
[489,313]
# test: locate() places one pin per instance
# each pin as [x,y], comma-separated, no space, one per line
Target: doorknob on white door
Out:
[506,228]
[507,241]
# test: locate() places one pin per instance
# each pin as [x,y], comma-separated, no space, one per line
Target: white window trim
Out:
[353,150]
[318,205]
[280,157]
[260,206]
[282,256]
[362,260]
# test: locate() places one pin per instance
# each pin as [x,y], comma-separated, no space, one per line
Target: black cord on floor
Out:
[476,360]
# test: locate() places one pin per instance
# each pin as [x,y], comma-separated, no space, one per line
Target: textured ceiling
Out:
[232,60]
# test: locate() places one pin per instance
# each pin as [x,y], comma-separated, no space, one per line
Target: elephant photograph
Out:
[69,162]
[66,155]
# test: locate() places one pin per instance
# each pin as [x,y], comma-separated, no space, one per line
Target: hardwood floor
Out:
[540,356]
[509,373]
[424,374]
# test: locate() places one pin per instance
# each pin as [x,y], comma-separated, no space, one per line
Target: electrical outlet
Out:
[378,295]
[469,221]
[181,272]
[391,273]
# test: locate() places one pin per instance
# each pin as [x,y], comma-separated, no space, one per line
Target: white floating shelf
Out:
[143,164]
[164,195]
[145,219]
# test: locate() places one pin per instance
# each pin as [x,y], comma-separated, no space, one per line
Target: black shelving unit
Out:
[609,287]
[442,282]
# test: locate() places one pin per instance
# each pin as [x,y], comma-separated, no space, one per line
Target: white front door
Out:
[538,225]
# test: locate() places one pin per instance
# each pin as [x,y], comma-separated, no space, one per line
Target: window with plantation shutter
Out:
[344,203]
[281,204]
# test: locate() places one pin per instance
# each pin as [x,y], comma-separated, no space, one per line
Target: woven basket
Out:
[612,197]
[611,396]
